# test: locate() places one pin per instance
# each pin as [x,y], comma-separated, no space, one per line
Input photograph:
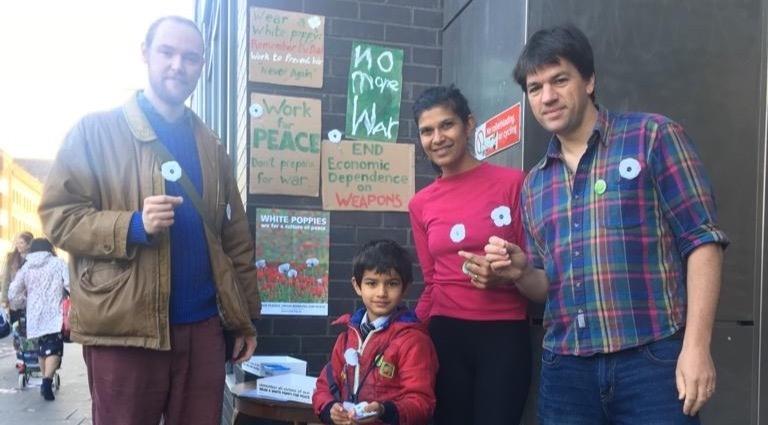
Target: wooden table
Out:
[248,409]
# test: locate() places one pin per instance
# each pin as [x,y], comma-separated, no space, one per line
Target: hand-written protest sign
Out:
[374,92]
[285,145]
[367,176]
[286,48]
[293,261]
[498,133]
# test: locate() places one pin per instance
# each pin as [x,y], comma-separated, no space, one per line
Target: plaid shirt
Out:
[614,237]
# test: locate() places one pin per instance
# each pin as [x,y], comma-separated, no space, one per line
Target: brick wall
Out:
[414,26]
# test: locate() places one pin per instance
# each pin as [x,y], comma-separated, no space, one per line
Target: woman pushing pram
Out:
[40,285]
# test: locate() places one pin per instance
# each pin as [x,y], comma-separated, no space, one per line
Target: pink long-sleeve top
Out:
[460,213]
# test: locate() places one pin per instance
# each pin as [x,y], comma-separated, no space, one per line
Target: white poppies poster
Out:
[292,258]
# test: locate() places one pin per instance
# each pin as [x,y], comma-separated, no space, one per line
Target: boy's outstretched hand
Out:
[341,416]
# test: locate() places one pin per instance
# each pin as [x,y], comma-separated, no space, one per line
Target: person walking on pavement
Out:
[39,287]
[13,262]
[144,199]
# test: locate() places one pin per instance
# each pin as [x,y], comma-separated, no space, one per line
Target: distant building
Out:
[20,192]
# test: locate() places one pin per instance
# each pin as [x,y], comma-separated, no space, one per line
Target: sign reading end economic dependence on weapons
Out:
[286,48]
[292,261]
[367,176]
[285,145]
[374,92]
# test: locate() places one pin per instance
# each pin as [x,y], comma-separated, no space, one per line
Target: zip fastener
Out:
[361,349]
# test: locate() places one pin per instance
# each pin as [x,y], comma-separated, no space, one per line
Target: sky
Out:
[64,59]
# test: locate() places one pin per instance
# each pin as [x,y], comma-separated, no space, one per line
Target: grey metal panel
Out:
[698,62]
[479,51]
[732,348]
[451,8]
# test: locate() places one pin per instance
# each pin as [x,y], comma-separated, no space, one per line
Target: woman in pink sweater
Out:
[477,320]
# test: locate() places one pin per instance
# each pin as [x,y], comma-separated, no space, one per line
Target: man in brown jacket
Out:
[160,246]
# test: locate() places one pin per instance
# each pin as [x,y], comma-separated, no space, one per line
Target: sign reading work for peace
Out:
[367,176]
[498,133]
[286,48]
[374,92]
[285,145]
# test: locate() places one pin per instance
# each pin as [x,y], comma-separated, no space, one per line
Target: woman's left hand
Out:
[480,273]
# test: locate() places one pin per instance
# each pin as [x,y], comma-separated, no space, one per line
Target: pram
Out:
[26,355]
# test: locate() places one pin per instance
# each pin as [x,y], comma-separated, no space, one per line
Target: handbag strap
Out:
[186,185]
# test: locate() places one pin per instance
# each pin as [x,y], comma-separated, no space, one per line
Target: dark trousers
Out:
[137,386]
[485,371]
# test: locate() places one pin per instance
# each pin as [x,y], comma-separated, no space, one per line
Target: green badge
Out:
[600,186]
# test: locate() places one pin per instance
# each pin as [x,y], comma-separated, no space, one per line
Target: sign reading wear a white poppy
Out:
[286,48]
[498,133]
[292,260]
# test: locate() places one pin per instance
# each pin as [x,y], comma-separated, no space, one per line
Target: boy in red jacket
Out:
[383,366]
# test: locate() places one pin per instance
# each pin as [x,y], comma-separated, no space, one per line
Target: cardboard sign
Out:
[286,48]
[374,93]
[292,261]
[367,176]
[285,145]
[498,133]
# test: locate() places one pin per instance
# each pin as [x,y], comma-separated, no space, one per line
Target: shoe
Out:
[47,389]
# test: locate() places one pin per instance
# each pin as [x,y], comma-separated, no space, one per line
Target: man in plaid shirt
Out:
[624,248]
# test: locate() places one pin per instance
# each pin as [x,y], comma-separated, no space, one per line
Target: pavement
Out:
[27,407]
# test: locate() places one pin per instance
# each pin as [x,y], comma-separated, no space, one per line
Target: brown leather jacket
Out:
[120,293]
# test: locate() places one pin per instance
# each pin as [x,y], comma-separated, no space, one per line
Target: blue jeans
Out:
[634,386]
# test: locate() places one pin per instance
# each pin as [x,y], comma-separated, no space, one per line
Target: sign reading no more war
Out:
[367,176]
[285,145]
[374,92]
[498,133]
[286,48]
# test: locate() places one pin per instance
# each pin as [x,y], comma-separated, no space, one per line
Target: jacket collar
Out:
[400,315]
[137,121]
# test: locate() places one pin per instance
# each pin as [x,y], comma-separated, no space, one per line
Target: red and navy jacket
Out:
[397,365]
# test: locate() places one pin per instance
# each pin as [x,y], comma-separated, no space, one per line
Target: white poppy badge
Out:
[171,171]
[501,216]
[629,168]
[458,233]
[334,136]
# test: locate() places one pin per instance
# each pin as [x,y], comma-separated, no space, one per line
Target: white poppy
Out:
[351,357]
[314,22]
[319,281]
[501,216]
[171,171]
[256,110]
[458,233]
[312,262]
[283,268]
[334,136]
[292,273]
[629,168]
[260,264]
